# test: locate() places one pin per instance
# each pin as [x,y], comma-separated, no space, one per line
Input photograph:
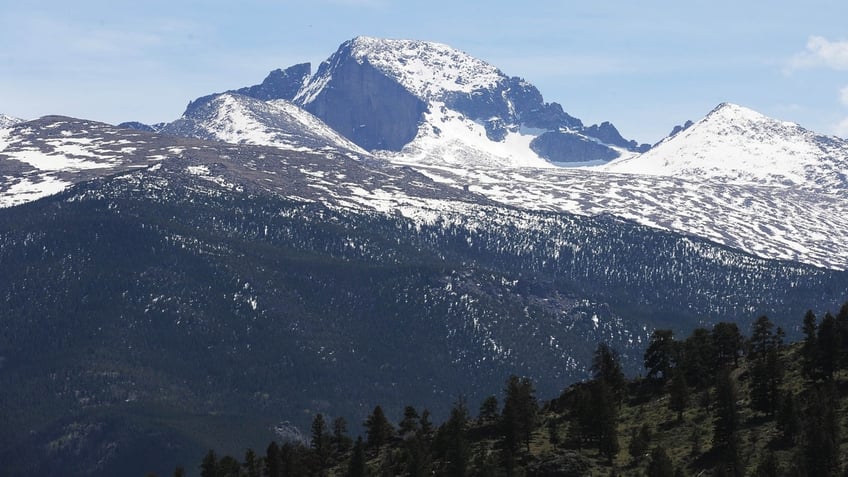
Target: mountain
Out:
[417,97]
[142,127]
[8,121]
[734,144]
[203,299]
[447,97]
[738,178]
[183,293]
[461,121]
[47,155]
[729,178]
[239,119]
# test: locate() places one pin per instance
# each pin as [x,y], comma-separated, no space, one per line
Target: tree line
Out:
[718,387]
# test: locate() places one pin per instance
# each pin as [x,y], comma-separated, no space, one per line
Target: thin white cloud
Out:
[843,95]
[821,52]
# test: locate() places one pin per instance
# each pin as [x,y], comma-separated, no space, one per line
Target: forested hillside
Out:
[158,313]
[715,403]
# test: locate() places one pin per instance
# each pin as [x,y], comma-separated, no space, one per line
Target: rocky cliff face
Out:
[362,103]
[375,91]
[561,147]
[396,96]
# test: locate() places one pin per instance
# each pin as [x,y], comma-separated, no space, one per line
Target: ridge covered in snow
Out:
[8,121]
[736,177]
[239,119]
[46,156]
[737,145]
[427,69]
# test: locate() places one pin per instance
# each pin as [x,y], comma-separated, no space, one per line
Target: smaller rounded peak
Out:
[740,115]
[735,111]
[8,121]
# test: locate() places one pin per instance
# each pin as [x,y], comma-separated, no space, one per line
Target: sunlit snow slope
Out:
[770,188]
[737,145]
[7,121]
[239,119]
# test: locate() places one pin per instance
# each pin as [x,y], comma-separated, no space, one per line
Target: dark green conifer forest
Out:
[715,403]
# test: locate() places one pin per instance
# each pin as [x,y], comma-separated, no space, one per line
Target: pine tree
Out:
[679,394]
[727,418]
[762,338]
[828,347]
[426,425]
[596,413]
[378,428]
[660,355]
[209,466]
[408,426]
[766,367]
[453,441]
[418,459]
[810,348]
[320,441]
[606,366]
[341,440]
[228,466]
[788,418]
[697,359]
[417,450]
[607,420]
[640,440]
[179,471]
[821,431]
[252,464]
[292,460]
[356,467]
[273,461]
[842,335]
[728,342]
[519,412]
[488,409]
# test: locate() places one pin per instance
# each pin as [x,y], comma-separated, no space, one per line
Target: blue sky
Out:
[645,66]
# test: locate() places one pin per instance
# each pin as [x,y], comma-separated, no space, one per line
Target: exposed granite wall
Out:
[368,108]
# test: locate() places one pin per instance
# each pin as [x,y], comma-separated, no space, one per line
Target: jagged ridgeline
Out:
[144,320]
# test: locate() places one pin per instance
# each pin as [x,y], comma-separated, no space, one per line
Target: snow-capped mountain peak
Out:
[8,121]
[737,144]
[427,69]
[391,95]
